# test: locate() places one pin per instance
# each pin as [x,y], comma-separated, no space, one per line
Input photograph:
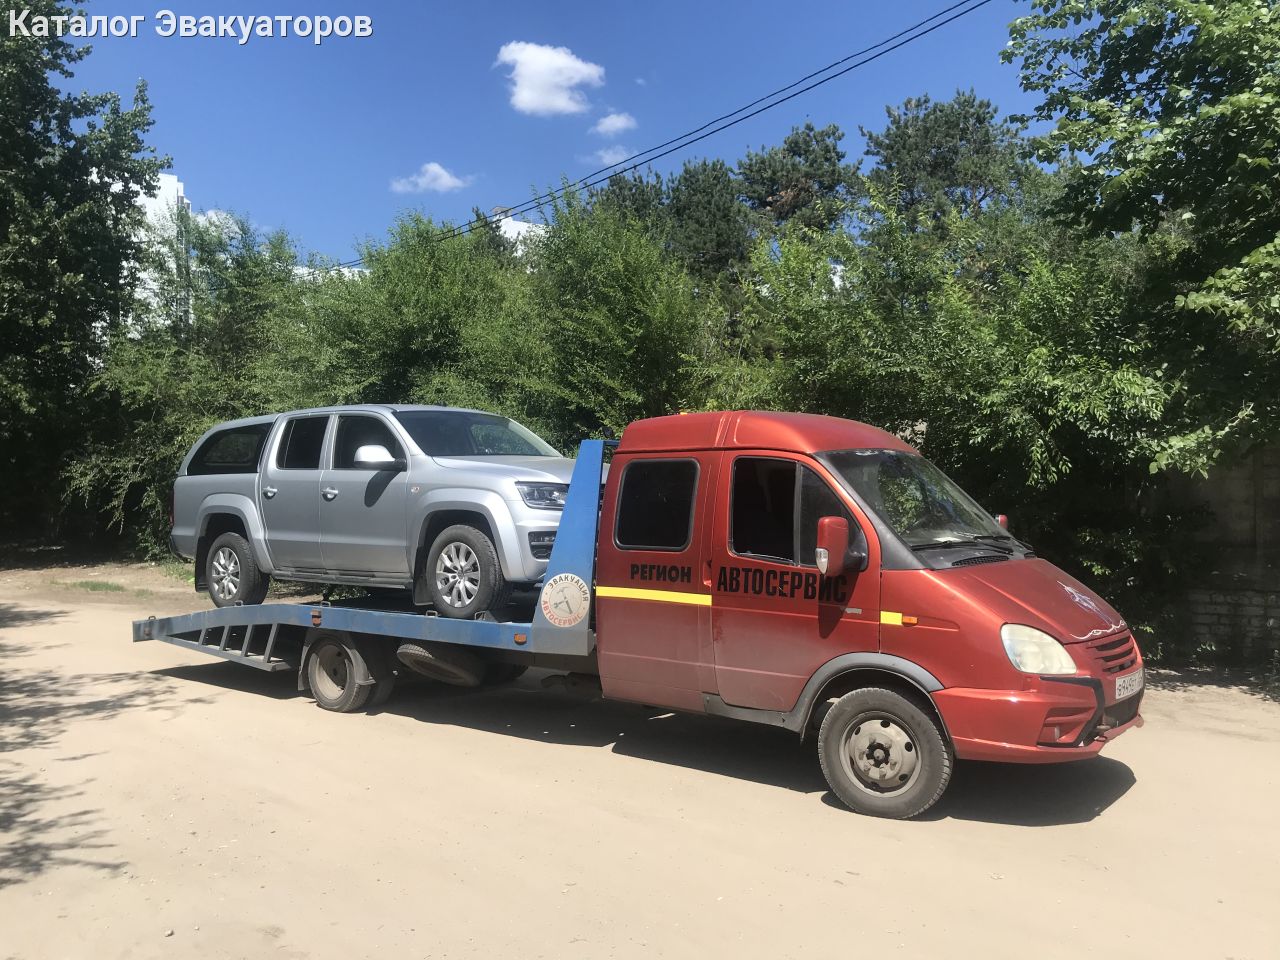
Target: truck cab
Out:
[765,565]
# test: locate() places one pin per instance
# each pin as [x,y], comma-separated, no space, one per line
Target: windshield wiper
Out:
[968,541]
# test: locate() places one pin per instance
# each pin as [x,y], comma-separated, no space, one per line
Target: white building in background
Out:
[517,231]
[171,194]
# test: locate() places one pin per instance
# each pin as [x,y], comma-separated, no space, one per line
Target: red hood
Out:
[1037,593]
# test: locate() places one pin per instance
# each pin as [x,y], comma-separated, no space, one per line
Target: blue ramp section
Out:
[562,619]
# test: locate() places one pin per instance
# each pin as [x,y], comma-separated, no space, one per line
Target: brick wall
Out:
[1239,602]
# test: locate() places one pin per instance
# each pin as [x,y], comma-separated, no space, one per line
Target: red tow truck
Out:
[801,571]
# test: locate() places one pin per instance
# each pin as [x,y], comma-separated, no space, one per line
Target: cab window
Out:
[301,444]
[655,505]
[355,432]
[230,451]
[775,506]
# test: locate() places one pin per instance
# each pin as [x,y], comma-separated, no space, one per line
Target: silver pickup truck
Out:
[455,505]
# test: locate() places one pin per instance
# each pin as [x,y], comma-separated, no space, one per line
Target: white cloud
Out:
[611,155]
[545,80]
[613,124]
[430,176]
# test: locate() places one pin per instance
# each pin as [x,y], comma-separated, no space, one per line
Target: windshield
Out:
[457,433]
[916,499]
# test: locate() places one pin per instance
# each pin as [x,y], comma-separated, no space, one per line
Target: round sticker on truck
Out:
[565,600]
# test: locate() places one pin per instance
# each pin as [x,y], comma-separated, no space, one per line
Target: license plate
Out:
[1129,684]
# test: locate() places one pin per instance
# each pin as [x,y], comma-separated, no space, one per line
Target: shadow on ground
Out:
[42,825]
[993,793]
[12,616]
[1197,678]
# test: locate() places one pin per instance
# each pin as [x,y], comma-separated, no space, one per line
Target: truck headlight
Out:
[1034,651]
[544,496]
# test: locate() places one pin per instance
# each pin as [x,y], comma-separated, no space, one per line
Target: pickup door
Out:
[289,494]
[363,518]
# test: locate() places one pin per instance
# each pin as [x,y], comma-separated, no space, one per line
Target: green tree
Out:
[934,157]
[803,180]
[710,228]
[1170,112]
[72,166]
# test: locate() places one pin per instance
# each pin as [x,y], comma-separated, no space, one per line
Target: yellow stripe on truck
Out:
[662,596]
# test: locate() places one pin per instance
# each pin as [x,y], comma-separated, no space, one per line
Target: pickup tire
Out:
[231,573]
[883,755]
[463,575]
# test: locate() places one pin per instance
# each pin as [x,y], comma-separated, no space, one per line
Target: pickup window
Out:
[776,505]
[236,450]
[355,432]
[301,444]
[655,505]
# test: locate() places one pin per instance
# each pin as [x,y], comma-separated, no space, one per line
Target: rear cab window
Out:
[655,505]
[301,443]
[234,450]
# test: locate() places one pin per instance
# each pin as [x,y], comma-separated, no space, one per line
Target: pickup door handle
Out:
[328,493]
[269,492]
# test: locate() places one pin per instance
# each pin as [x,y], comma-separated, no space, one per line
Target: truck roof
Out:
[797,432]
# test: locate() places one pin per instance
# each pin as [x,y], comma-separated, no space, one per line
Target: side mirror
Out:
[1003,520]
[833,546]
[374,456]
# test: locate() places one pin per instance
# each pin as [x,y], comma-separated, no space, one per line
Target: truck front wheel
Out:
[883,755]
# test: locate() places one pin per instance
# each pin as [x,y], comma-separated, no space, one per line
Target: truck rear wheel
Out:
[883,755]
[333,676]
[231,573]
[463,574]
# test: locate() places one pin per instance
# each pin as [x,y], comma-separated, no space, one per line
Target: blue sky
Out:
[312,139]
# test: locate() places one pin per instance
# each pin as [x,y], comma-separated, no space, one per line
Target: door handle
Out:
[329,493]
[269,492]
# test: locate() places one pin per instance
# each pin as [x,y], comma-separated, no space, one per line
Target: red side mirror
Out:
[1002,520]
[833,545]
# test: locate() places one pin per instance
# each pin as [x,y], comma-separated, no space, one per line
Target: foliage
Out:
[72,167]
[803,180]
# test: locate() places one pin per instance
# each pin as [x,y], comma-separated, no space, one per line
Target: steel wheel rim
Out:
[457,574]
[226,573]
[880,755]
[333,671]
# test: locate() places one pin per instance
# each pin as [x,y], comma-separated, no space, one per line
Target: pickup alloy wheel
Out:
[463,574]
[231,574]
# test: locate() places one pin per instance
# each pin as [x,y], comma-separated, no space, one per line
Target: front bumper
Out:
[1056,719]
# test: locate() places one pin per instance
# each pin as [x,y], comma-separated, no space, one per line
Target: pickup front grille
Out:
[1114,654]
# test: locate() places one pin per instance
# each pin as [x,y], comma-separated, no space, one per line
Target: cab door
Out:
[653,602]
[774,619]
[289,491]
[363,512]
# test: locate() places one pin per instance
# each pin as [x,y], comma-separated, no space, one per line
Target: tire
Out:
[231,574]
[883,755]
[498,673]
[463,576]
[443,662]
[333,679]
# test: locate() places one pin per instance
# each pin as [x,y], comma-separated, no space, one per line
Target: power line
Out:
[725,121]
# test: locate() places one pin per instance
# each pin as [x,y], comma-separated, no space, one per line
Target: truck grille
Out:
[1114,654]
[1118,714]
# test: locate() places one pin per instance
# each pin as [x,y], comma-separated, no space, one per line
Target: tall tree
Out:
[710,228]
[936,157]
[1171,111]
[804,180]
[72,166]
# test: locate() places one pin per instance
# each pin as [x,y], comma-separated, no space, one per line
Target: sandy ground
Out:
[155,803]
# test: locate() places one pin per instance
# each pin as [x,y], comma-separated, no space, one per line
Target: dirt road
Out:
[156,804]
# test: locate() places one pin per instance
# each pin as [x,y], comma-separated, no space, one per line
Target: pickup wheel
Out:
[332,677]
[463,574]
[231,573]
[883,755]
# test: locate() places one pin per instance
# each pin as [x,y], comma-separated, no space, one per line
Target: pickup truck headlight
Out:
[544,496]
[1034,651]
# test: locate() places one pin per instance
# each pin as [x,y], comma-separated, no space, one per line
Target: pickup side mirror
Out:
[374,456]
[837,551]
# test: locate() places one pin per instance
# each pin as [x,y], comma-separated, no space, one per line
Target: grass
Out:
[98,586]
